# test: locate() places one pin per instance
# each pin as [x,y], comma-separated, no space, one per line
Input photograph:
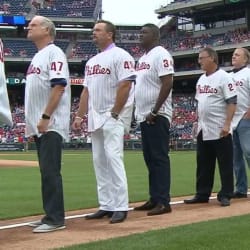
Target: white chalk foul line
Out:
[27,223]
[77,216]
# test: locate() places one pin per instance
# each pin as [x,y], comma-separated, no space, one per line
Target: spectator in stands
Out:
[111,72]
[36,4]
[47,113]
[241,121]
[216,97]
[23,53]
[153,98]
[8,52]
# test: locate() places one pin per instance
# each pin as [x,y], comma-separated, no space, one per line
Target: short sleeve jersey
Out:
[150,67]
[47,64]
[211,93]
[103,73]
[241,80]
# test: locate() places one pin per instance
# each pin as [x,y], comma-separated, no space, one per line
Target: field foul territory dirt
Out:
[78,230]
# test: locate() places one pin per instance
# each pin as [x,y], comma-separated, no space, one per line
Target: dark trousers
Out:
[155,144]
[49,150]
[207,153]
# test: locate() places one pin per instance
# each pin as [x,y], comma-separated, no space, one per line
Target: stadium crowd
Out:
[81,47]
[68,8]
[183,118]
[179,42]
[84,49]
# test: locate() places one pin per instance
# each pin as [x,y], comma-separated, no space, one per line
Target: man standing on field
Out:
[241,121]
[216,97]
[153,98]
[47,114]
[108,99]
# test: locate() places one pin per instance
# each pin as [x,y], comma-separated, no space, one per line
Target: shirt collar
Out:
[112,45]
[238,69]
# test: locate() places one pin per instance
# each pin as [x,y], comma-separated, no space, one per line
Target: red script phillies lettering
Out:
[97,70]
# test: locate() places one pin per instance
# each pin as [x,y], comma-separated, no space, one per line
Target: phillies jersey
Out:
[103,73]
[5,113]
[241,79]
[150,67]
[211,93]
[47,64]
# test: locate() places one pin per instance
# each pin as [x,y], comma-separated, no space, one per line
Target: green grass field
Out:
[20,186]
[20,196]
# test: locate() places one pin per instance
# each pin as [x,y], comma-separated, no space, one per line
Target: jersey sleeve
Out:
[229,88]
[125,66]
[58,65]
[164,63]
[248,82]
[85,82]
[196,97]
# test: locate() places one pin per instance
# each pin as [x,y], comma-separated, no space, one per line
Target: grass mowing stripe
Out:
[223,234]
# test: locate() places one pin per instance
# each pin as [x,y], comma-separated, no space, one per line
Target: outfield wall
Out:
[175,145]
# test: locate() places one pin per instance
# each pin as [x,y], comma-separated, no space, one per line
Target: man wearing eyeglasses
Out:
[216,97]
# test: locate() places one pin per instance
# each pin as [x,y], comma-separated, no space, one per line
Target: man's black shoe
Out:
[160,209]
[224,202]
[118,216]
[196,200]
[238,195]
[146,206]
[99,214]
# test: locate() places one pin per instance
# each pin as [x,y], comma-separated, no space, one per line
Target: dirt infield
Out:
[18,163]
[80,230]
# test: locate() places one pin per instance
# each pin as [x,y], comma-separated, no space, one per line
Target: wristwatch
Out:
[153,112]
[115,115]
[45,117]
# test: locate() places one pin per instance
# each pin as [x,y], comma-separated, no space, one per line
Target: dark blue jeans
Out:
[241,142]
[155,144]
[49,150]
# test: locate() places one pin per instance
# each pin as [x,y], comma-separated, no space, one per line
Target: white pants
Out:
[107,146]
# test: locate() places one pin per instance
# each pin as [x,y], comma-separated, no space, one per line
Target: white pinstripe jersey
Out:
[5,114]
[157,62]
[47,64]
[103,73]
[211,93]
[241,79]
